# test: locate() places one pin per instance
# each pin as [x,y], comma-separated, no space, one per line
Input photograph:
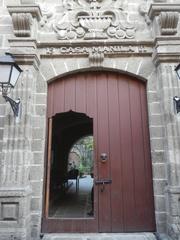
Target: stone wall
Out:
[147,47]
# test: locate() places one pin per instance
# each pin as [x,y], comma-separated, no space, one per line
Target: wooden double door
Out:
[117,105]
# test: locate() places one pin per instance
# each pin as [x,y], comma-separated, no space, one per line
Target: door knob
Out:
[103,157]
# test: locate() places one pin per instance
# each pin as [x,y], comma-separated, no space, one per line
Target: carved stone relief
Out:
[22,24]
[165,18]
[143,10]
[22,18]
[169,22]
[91,19]
[96,58]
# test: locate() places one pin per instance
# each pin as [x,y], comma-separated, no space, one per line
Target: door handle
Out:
[104,181]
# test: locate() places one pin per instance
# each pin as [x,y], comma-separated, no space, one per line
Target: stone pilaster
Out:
[165,18]
[16,188]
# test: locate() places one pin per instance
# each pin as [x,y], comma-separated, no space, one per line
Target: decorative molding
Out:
[22,19]
[25,51]
[7,192]
[162,54]
[22,24]
[96,58]
[34,10]
[91,50]
[165,17]
[157,8]
[168,22]
[92,19]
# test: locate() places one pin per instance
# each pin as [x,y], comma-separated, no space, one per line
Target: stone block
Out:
[37,145]
[146,68]
[36,173]
[41,85]
[161,227]
[157,131]
[38,121]
[161,216]
[160,204]
[40,110]
[159,186]
[154,108]
[27,1]
[38,157]
[153,96]
[38,133]
[36,188]
[35,204]
[174,204]
[155,119]
[48,70]
[6,29]
[157,144]
[41,99]
[5,20]
[159,171]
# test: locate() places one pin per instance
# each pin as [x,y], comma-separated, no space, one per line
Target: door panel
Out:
[117,103]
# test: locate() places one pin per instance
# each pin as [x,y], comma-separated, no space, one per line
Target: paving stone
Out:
[101,236]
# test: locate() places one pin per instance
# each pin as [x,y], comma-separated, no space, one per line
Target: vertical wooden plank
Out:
[80,97]
[103,147]
[138,155]
[58,96]
[91,108]
[48,166]
[91,93]
[115,153]
[69,93]
[149,224]
[126,154]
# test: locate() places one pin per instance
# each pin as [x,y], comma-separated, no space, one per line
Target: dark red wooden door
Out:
[117,103]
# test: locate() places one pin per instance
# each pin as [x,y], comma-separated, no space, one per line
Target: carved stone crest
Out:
[93,19]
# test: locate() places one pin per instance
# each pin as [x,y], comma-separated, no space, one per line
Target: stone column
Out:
[165,18]
[15,163]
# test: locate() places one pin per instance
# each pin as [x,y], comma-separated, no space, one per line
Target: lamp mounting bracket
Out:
[15,105]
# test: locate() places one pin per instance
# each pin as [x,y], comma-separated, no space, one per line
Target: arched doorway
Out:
[115,107]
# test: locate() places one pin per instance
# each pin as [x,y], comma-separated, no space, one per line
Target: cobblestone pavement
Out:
[101,236]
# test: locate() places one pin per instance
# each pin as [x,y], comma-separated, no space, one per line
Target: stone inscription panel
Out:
[107,50]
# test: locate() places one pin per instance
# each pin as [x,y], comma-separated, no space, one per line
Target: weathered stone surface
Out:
[100,236]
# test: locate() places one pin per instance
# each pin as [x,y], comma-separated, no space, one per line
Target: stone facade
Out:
[53,38]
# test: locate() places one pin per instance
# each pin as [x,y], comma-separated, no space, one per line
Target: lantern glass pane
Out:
[4,73]
[14,76]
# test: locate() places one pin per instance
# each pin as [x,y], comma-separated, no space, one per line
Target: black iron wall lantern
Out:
[177,103]
[9,74]
[177,99]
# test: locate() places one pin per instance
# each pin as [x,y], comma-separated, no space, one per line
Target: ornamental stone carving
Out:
[165,18]
[168,22]
[22,24]
[96,58]
[93,19]
[22,18]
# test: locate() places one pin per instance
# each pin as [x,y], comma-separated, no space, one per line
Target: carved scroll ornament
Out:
[22,24]
[169,22]
[93,19]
